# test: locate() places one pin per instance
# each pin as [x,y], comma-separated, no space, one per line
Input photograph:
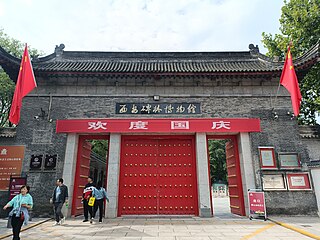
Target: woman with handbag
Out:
[100,194]
[19,213]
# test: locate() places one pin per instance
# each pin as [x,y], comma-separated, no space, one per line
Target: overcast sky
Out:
[140,25]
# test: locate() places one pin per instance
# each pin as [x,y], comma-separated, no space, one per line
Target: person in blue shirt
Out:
[59,197]
[100,194]
[19,213]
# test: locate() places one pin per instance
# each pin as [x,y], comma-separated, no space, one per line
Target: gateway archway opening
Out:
[158,176]
[92,160]
[225,176]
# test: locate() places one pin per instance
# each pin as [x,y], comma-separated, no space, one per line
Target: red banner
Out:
[257,203]
[25,83]
[164,125]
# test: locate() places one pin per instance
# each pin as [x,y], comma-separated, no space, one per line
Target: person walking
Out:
[100,194]
[59,197]
[87,193]
[19,214]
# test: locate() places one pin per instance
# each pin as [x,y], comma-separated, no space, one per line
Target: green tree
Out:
[300,23]
[15,48]
[100,147]
[6,94]
[218,165]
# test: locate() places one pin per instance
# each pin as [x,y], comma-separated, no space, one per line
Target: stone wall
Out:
[96,97]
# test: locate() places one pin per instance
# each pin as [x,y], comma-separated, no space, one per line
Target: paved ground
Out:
[223,226]
[169,229]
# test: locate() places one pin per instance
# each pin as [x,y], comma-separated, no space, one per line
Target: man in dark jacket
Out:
[59,197]
[87,193]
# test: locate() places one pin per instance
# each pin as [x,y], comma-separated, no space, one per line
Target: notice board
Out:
[11,158]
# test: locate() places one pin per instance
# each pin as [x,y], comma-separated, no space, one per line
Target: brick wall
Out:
[96,98]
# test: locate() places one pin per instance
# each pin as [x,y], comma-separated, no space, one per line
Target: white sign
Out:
[138,125]
[179,124]
[97,125]
[221,124]
[298,181]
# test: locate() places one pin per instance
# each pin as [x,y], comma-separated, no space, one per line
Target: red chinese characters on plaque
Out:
[10,163]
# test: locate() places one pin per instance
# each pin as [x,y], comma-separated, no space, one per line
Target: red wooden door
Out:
[81,175]
[157,176]
[177,177]
[234,179]
[138,177]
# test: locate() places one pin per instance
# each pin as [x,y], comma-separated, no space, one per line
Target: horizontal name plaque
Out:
[158,108]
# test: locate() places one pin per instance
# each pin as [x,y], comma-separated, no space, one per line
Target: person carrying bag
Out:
[100,194]
[19,213]
[91,201]
[87,193]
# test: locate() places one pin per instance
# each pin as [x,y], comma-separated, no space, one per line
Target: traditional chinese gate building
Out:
[158,111]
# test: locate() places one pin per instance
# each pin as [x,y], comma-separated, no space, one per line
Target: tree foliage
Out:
[218,165]
[100,147]
[15,48]
[300,23]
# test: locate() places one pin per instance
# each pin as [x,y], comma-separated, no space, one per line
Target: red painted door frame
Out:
[161,137]
[81,141]
[233,138]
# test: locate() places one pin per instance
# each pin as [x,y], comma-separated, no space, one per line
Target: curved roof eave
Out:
[180,63]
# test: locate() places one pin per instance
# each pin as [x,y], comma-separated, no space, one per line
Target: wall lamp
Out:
[275,116]
[42,116]
[292,116]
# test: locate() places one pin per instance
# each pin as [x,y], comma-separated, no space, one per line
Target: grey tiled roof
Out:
[314,164]
[158,62]
[7,132]
[309,131]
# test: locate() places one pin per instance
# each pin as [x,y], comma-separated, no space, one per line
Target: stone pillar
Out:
[113,175]
[203,176]
[246,166]
[315,172]
[69,168]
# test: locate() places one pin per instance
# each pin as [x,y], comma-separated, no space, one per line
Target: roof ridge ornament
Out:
[253,49]
[59,49]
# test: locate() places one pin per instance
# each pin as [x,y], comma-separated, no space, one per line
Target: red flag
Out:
[290,82]
[25,83]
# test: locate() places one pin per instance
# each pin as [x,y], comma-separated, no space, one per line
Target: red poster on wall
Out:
[15,185]
[257,203]
[10,163]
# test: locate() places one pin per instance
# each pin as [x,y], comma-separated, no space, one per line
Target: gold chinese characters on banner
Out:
[10,163]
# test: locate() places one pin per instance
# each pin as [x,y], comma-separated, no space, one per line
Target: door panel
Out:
[177,185]
[234,179]
[138,177]
[81,175]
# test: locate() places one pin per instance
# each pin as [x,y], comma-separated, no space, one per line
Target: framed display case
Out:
[267,158]
[289,160]
[298,181]
[36,162]
[274,182]
[50,161]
